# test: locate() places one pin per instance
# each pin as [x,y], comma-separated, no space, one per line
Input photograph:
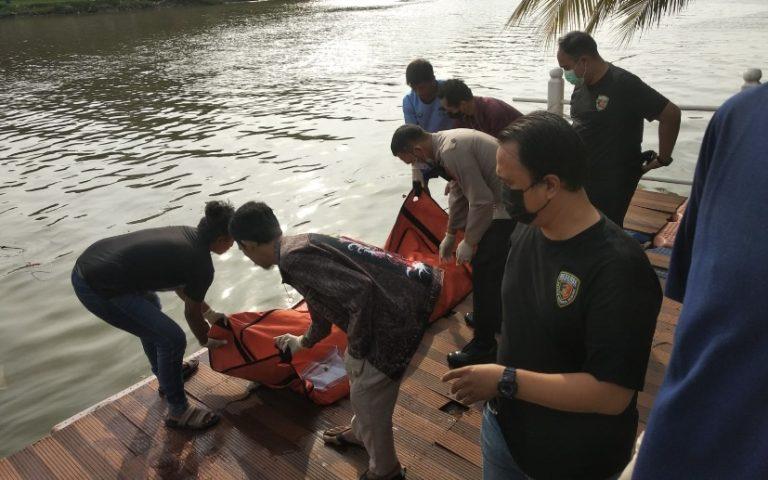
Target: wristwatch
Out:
[664,163]
[508,384]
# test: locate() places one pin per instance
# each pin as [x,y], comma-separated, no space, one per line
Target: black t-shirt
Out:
[609,118]
[587,304]
[156,259]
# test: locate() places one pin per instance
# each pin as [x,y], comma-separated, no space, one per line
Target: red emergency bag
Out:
[319,372]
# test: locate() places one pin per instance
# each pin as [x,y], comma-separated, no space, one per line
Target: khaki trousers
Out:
[373,396]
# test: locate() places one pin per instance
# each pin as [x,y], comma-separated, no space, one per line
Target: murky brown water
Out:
[115,122]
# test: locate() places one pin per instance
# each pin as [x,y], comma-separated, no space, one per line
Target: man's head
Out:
[255,229]
[213,227]
[421,78]
[577,55]
[456,98]
[542,161]
[411,144]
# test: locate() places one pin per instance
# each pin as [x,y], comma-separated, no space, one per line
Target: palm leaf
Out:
[557,17]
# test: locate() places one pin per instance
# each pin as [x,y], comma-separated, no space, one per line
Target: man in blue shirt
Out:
[709,418]
[422,107]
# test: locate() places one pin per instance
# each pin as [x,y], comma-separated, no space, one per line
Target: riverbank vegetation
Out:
[10,8]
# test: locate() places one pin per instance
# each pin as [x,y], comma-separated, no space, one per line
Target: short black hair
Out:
[548,145]
[404,138]
[419,71]
[255,222]
[216,221]
[454,91]
[576,43]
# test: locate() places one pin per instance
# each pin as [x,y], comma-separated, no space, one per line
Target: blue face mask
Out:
[573,79]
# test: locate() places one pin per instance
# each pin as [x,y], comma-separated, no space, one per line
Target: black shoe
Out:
[472,354]
[469,319]
[399,475]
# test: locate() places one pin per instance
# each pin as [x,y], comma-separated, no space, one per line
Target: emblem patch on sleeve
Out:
[566,289]
[602,102]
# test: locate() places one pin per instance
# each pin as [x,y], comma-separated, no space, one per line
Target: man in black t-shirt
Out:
[608,107]
[116,279]
[580,301]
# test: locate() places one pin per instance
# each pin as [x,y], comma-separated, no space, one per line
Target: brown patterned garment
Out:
[382,300]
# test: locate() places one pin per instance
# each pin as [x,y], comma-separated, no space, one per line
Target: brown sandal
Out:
[335,436]
[194,418]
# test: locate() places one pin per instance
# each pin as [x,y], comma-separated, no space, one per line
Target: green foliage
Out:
[556,17]
[46,7]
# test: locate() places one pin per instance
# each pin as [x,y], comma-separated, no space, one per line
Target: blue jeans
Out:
[498,463]
[163,340]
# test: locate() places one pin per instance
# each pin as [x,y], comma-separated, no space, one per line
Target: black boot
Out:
[473,353]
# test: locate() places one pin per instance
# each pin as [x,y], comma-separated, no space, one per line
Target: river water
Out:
[115,122]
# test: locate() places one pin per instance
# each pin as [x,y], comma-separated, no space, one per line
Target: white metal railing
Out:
[556,101]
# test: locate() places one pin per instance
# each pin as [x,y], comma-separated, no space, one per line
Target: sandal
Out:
[335,436]
[194,418]
[187,370]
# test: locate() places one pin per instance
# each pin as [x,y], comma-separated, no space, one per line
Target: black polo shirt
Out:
[587,304]
[156,259]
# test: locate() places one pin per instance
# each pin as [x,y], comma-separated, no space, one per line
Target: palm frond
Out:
[556,17]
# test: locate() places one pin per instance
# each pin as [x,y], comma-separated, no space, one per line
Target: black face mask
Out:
[514,204]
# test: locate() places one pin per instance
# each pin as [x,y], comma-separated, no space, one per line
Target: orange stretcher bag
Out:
[416,235]
[250,353]
[319,372]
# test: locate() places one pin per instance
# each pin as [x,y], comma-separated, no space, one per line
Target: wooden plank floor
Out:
[270,434]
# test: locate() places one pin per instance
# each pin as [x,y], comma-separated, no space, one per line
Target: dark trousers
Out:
[487,272]
[612,196]
[163,340]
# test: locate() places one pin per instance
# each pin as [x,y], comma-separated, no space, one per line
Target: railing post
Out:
[555,91]
[751,78]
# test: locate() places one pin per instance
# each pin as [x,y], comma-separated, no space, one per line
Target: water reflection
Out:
[110,123]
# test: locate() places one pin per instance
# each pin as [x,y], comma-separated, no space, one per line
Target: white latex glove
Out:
[464,253]
[446,247]
[214,343]
[289,342]
[213,316]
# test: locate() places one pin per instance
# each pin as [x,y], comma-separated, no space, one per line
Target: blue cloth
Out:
[498,463]
[709,420]
[429,116]
[163,340]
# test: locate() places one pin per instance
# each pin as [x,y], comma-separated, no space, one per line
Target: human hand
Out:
[464,253]
[289,343]
[212,316]
[475,383]
[446,247]
[214,343]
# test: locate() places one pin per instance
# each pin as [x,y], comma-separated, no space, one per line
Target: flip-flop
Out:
[188,369]
[194,418]
[335,436]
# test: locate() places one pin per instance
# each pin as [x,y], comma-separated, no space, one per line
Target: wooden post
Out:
[555,91]
[751,78]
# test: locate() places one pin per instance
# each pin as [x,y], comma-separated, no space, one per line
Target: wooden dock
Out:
[275,434]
